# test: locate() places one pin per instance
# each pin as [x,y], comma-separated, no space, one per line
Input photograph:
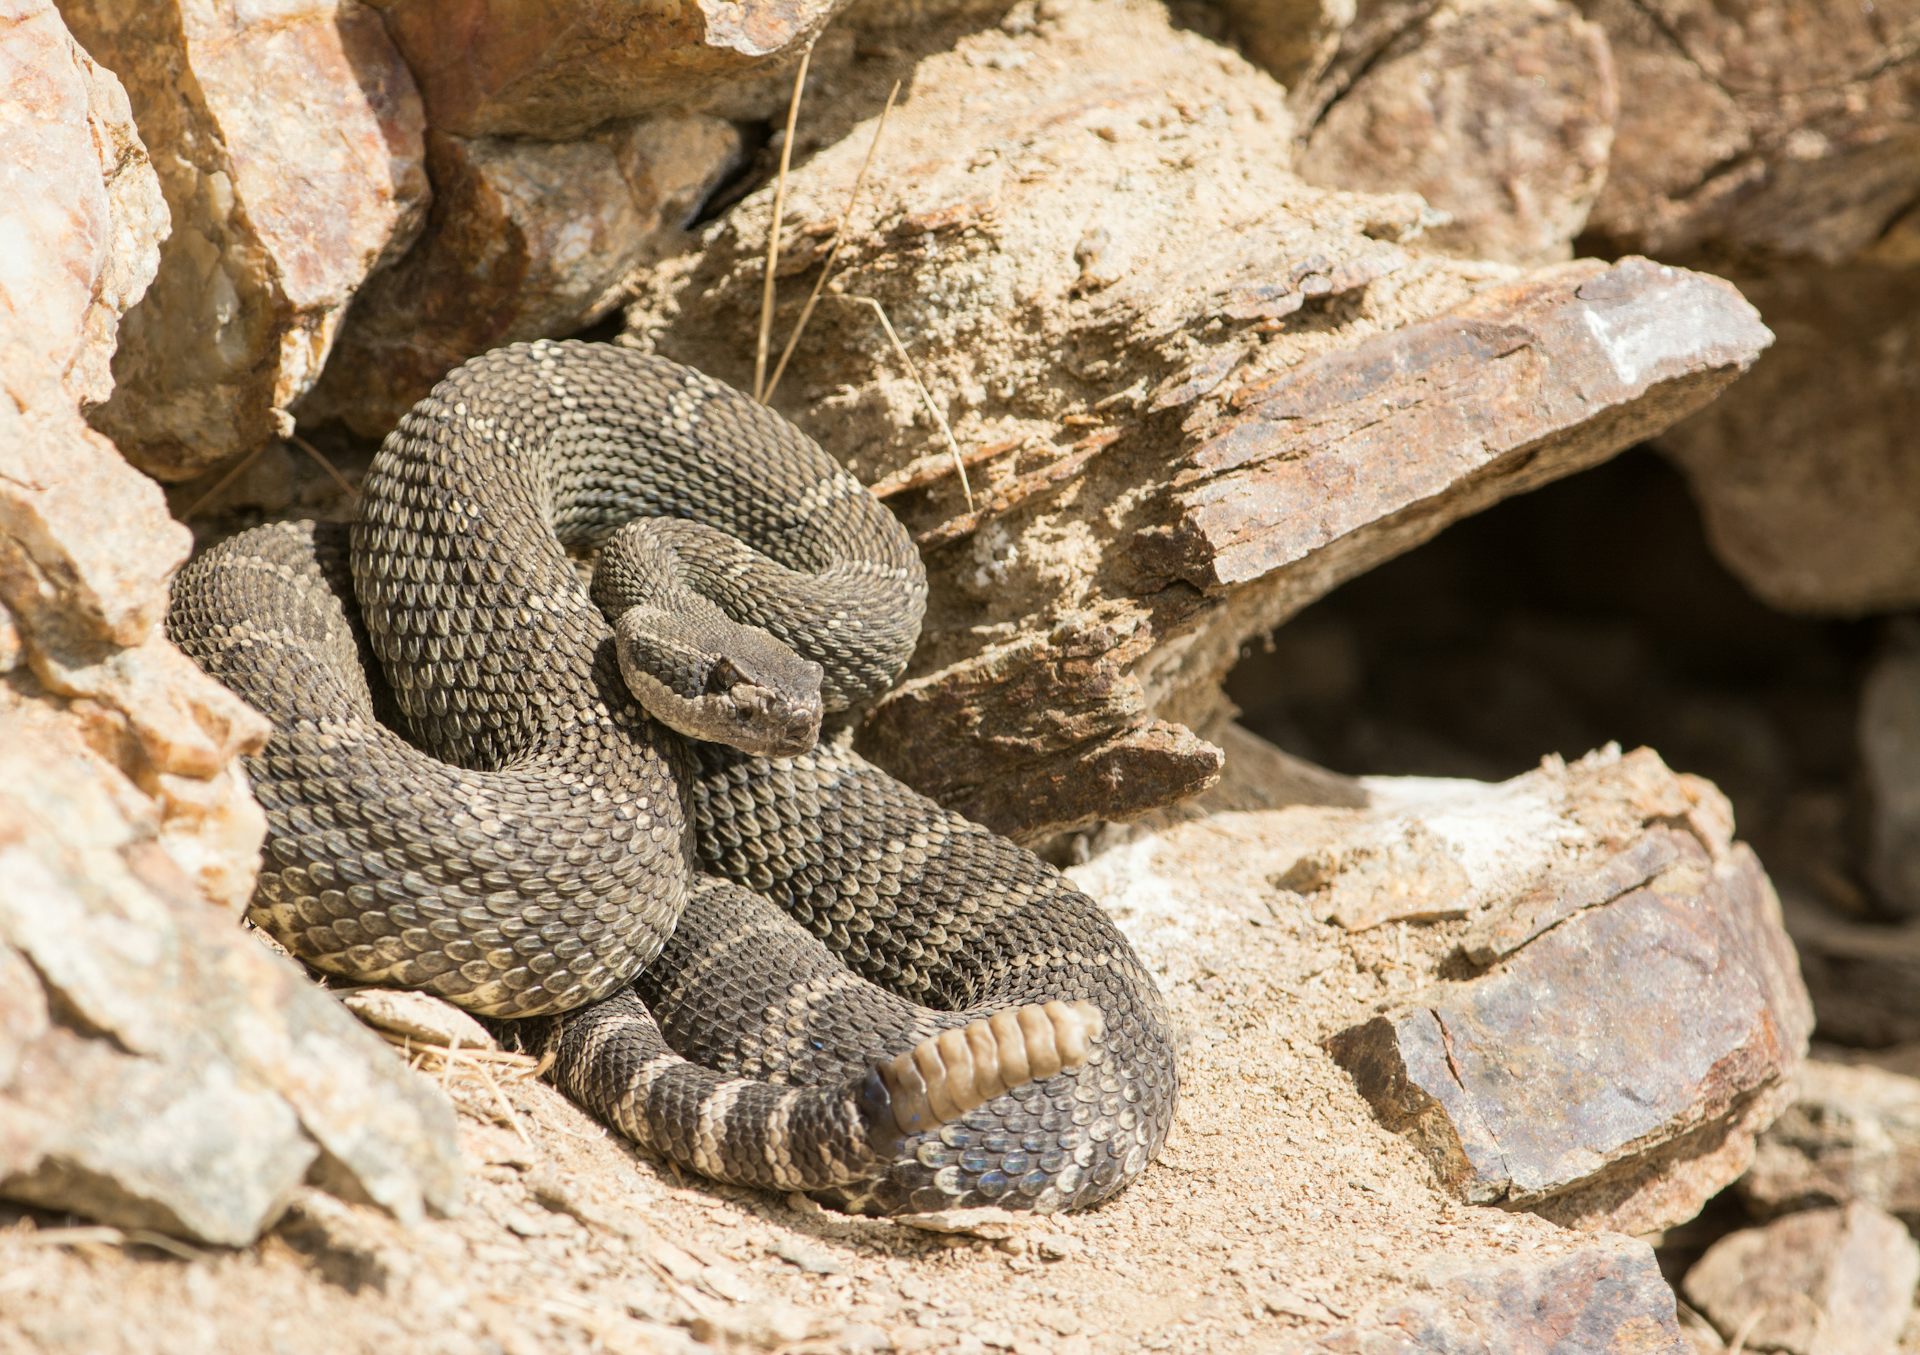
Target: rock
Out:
[1823,1282]
[420,1017]
[1317,48]
[1766,131]
[1808,483]
[558,70]
[1862,975]
[1500,114]
[1889,742]
[86,216]
[1170,450]
[235,105]
[161,1069]
[1852,1133]
[1607,1299]
[527,238]
[1614,1066]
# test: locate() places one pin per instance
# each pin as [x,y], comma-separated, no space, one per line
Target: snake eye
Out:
[722,677]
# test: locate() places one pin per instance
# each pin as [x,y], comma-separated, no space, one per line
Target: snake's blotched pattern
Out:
[733,946]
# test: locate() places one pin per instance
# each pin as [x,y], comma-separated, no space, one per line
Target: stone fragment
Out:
[1889,742]
[85,215]
[1808,482]
[1613,1070]
[526,238]
[236,104]
[537,68]
[1763,131]
[1170,450]
[420,1017]
[1852,1133]
[1317,48]
[158,1068]
[1607,1299]
[1500,114]
[1823,1282]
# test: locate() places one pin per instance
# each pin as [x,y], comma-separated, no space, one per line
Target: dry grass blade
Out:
[773,231]
[926,397]
[833,246]
[321,460]
[100,1235]
[239,469]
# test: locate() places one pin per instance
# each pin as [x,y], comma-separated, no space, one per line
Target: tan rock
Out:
[1499,113]
[237,105]
[1824,1282]
[1808,481]
[538,68]
[162,1070]
[1852,1133]
[528,238]
[86,216]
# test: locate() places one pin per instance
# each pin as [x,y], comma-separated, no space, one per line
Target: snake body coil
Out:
[790,971]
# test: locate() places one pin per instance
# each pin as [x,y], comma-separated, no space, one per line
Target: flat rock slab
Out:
[1170,449]
[1824,1282]
[1639,1025]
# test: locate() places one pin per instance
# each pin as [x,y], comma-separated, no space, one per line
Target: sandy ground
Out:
[1279,1212]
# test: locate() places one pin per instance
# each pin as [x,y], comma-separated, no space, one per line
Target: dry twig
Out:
[773,232]
[833,246]
[960,462]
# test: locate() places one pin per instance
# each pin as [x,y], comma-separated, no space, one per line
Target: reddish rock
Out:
[1823,1282]
[526,239]
[1613,1070]
[288,140]
[1498,114]
[541,68]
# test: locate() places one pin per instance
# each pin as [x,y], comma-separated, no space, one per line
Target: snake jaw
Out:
[718,681]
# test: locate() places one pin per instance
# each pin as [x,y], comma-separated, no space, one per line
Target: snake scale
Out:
[765,959]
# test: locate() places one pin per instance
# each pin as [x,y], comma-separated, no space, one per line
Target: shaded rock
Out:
[236,105]
[1808,482]
[1500,114]
[557,70]
[1862,975]
[1607,1299]
[1824,1282]
[1316,48]
[526,239]
[1889,741]
[162,1069]
[1851,1133]
[1613,1067]
[419,1017]
[1169,450]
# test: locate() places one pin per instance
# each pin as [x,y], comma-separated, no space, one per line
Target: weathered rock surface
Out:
[556,70]
[1500,113]
[1823,1282]
[237,105]
[526,238]
[1639,1024]
[1170,450]
[1852,1133]
[1767,130]
[159,1068]
[1808,482]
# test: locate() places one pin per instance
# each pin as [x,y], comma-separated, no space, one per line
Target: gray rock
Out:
[1852,1133]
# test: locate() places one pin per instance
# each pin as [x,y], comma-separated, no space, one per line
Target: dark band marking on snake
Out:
[787,971]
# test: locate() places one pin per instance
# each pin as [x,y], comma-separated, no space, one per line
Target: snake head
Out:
[708,677]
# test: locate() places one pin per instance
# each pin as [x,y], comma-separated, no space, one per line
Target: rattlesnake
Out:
[846,988]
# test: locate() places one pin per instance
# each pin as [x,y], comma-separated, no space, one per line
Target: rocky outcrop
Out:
[256,276]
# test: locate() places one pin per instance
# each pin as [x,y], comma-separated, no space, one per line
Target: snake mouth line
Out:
[945,1076]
